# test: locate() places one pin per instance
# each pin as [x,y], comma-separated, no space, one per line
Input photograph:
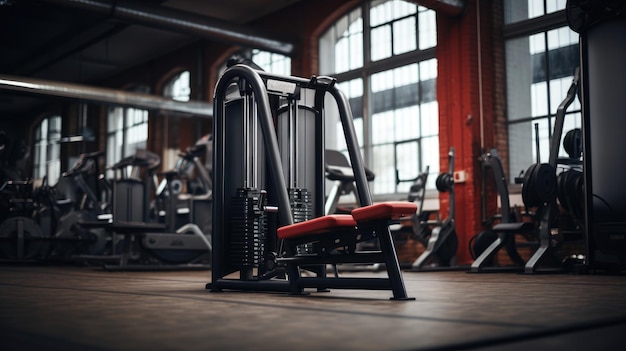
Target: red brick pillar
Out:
[465,94]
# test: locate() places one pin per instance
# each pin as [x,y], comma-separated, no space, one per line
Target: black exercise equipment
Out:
[540,190]
[489,242]
[443,241]
[21,238]
[79,234]
[339,171]
[269,216]
[144,240]
[419,228]
[602,28]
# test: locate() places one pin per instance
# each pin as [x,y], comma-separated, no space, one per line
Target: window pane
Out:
[382,127]
[408,164]
[115,120]
[535,8]
[383,165]
[342,45]
[381,43]
[520,73]
[271,62]
[404,39]
[47,154]
[427,29]
[429,118]
[178,87]
[406,122]
[555,5]
[399,104]
[430,157]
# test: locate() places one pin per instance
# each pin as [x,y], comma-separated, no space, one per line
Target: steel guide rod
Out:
[259,85]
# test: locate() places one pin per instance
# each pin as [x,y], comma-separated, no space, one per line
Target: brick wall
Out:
[466,93]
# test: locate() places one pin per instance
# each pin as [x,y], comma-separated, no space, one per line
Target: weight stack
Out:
[248,222]
[302,209]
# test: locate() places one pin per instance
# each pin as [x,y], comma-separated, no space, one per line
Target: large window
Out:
[383,56]
[178,88]
[541,58]
[272,62]
[268,61]
[47,158]
[127,131]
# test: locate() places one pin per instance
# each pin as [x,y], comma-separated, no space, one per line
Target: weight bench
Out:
[332,239]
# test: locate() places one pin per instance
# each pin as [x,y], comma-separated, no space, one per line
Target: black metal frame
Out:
[507,227]
[255,83]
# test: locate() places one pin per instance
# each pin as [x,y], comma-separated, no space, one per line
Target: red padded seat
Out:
[384,210]
[316,226]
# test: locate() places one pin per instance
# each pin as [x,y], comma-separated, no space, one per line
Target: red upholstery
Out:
[316,226]
[384,210]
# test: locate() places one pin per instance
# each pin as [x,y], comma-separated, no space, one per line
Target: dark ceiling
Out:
[86,41]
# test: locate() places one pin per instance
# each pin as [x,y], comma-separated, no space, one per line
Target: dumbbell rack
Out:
[268,157]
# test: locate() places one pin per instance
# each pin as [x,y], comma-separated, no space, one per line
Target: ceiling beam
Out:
[104,95]
[168,18]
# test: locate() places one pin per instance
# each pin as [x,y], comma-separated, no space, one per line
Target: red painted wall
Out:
[465,91]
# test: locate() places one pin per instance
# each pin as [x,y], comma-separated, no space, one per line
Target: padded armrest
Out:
[384,210]
[316,226]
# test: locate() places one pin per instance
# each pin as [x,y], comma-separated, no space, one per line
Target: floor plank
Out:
[79,308]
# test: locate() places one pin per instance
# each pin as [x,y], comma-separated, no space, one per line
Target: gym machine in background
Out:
[269,220]
[443,241]
[150,241]
[602,28]
[501,235]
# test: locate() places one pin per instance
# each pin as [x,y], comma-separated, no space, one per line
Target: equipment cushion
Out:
[384,210]
[316,226]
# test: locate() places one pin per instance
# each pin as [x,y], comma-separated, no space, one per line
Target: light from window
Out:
[47,157]
[520,10]
[539,70]
[401,126]
[178,87]
[342,45]
[272,62]
[127,131]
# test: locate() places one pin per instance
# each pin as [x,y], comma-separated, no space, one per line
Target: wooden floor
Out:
[86,308]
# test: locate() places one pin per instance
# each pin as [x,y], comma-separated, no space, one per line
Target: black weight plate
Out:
[577,196]
[545,183]
[443,182]
[572,143]
[527,186]
[447,250]
[482,242]
[562,190]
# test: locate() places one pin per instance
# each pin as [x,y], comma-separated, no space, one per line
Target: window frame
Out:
[42,160]
[369,68]
[526,28]
[127,113]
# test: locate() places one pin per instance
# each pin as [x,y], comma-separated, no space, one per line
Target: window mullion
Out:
[367,47]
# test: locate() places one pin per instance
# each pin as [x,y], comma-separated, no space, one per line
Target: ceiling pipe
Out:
[104,95]
[183,22]
[451,8]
